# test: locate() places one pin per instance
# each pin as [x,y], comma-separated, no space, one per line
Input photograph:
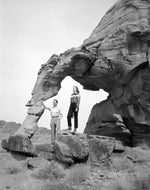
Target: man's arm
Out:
[46,107]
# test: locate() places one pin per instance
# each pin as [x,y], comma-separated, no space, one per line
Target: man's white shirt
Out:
[55,111]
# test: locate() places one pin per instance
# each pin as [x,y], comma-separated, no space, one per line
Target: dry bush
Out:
[57,178]
[77,174]
[141,176]
[12,166]
[122,181]
[51,171]
[51,185]
[135,181]
[13,170]
[141,182]
[31,183]
[119,164]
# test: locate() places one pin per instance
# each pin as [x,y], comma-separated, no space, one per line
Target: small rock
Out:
[119,147]
[45,151]
[36,162]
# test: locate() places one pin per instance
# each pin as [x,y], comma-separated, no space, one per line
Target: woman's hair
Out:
[55,100]
[77,89]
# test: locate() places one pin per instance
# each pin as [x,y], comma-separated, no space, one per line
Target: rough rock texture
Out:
[36,163]
[7,129]
[106,122]
[29,125]
[18,144]
[44,151]
[71,148]
[116,58]
[80,148]
[68,148]
[39,145]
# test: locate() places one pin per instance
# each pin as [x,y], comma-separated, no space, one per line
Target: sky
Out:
[30,32]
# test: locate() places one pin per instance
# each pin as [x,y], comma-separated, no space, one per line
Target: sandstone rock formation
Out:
[80,148]
[29,126]
[103,120]
[68,148]
[115,58]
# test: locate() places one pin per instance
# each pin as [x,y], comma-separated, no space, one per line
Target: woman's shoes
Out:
[75,131]
[69,129]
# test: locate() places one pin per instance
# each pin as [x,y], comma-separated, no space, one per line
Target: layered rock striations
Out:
[115,58]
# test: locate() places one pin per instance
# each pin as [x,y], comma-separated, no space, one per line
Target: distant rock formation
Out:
[9,127]
[115,58]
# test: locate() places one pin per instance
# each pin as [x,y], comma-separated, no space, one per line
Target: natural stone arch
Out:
[108,60]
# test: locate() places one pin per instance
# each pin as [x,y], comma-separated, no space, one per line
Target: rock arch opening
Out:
[88,100]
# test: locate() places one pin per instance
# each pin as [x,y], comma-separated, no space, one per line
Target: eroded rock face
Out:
[18,144]
[29,125]
[72,149]
[104,120]
[116,58]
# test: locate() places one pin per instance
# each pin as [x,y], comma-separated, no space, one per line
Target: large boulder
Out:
[103,120]
[71,148]
[18,144]
[115,58]
[24,146]
[80,148]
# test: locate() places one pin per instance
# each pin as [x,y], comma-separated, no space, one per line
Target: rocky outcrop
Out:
[104,120]
[18,144]
[80,148]
[29,125]
[71,149]
[68,148]
[9,127]
[115,58]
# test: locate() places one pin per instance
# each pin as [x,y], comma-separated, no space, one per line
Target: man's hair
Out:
[55,100]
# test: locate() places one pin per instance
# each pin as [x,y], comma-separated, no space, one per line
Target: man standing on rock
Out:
[56,115]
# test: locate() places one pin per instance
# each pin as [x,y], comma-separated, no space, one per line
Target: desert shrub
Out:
[127,181]
[30,183]
[12,166]
[78,173]
[51,185]
[122,182]
[119,164]
[51,171]
[13,170]
[141,182]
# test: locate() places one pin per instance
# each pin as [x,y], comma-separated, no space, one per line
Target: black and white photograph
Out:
[75,95]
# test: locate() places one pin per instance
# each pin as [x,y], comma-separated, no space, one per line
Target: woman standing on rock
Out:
[73,109]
